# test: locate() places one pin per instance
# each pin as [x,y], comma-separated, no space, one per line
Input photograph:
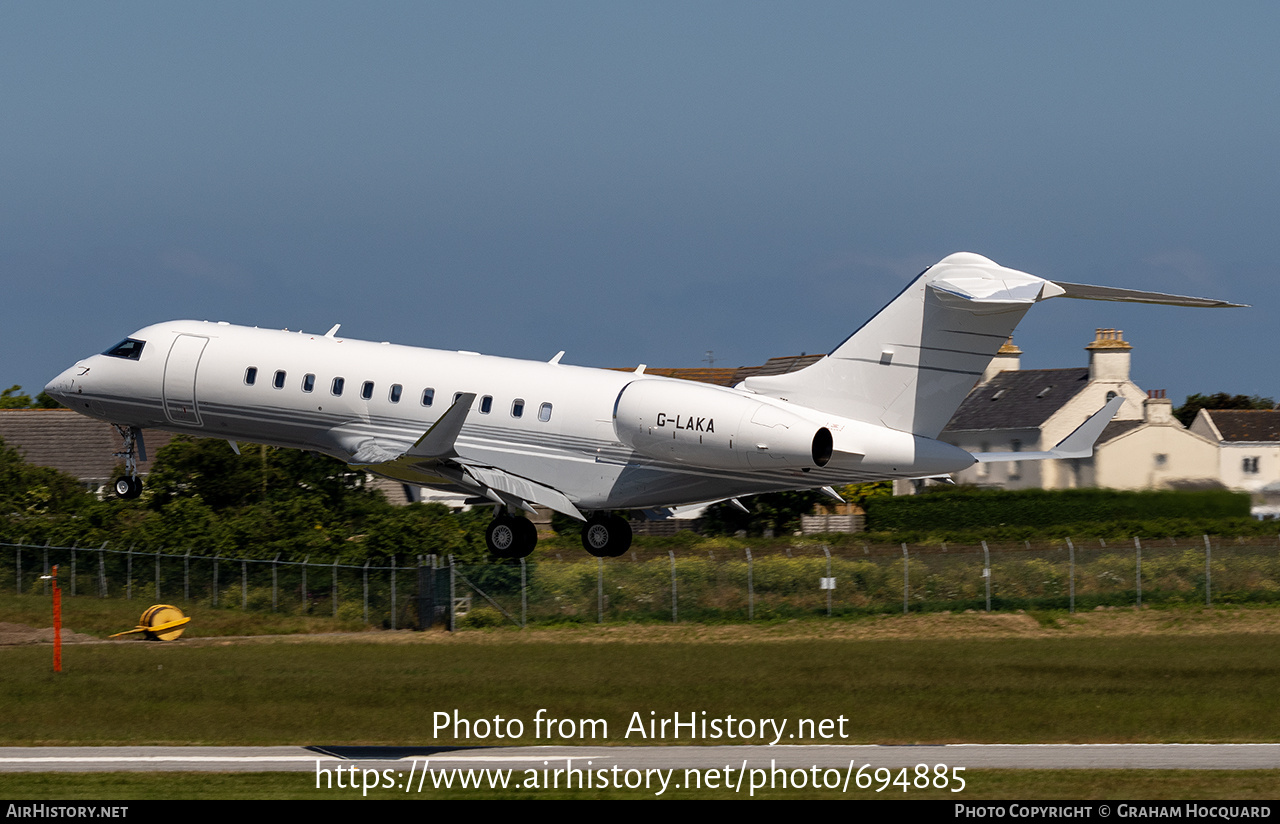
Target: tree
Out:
[1194,403]
[12,398]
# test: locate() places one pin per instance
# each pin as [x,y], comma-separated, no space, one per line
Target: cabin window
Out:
[366,390]
[308,382]
[394,395]
[338,384]
[544,412]
[486,404]
[517,408]
[428,397]
[278,383]
[250,375]
[129,349]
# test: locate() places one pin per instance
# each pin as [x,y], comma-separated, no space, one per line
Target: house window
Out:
[1250,466]
[1162,460]
[1015,468]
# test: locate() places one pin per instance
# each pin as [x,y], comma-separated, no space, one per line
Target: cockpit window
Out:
[129,349]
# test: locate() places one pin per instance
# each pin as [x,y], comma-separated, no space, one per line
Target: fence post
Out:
[1208,602]
[44,574]
[393,590]
[244,584]
[73,568]
[186,576]
[306,609]
[1137,549]
[1071,581]
[335,588]
[524,594]
[365,581]
[906,579]
[102,570]
[214,599]
[672,555]
[600,591]
[128,573]
[274,581]
[830,583]
[452,584]
[751,589]
[157,575]
[17,552]
[986,572]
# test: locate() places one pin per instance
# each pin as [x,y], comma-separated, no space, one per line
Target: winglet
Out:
[333,331]
[437,442]
[1079,444]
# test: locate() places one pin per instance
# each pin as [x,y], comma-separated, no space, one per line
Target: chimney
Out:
[1005,360]
[1157,408]
[1109,356]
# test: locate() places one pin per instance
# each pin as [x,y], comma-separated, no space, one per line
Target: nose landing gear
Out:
[134,450]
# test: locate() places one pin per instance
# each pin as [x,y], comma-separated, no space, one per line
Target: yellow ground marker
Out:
[160,623]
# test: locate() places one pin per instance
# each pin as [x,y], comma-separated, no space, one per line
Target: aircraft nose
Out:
[63,386]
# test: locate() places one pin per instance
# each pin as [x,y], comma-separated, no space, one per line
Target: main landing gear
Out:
[509,536]
[606,536]
[134,450]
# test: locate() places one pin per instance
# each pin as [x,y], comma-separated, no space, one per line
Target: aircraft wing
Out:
[433,460]
[1079,444]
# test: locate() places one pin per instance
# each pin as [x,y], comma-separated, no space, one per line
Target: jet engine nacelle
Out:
[703,425]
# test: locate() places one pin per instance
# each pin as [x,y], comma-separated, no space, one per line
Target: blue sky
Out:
[636,182]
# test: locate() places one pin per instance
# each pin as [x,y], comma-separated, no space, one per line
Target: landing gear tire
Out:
[510,537]
[128,488]
[606,536]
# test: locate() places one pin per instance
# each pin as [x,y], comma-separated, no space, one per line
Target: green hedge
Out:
[965,509]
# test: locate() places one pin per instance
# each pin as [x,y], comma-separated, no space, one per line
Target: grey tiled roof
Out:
[70,442]
[1018,399]
[1117,428]
[1247,424]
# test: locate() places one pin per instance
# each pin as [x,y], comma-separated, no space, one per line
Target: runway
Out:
[967,756]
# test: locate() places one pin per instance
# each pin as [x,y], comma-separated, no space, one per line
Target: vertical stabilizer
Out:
[911,365]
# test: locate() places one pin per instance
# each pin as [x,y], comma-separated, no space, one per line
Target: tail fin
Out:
[911,365]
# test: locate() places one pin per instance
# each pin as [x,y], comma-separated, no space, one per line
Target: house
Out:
[71,443]
[1248,444]
[1029,410]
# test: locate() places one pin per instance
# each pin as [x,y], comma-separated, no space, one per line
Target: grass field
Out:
[1118,676]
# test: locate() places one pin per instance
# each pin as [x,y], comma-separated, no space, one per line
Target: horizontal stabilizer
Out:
[1079,444]
[1084,291]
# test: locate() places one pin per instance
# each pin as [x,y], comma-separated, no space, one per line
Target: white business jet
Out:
[587,442]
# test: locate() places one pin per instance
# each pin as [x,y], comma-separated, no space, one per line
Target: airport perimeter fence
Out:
[695,585]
